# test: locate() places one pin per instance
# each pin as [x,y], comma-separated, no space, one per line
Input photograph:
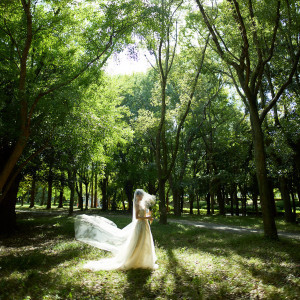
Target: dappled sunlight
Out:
[194,263]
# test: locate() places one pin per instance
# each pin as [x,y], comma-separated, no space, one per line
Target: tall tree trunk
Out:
[294,203]
[50,184]
[181,199]
[176,197]
[254,199]
[274,210]
[267,208]
[104,183]
[7,209]
[18,149]
[61,191]
[61,198]
[151,188]
[192,199]
[71,184]
[198,204]
[236,201]
[231,204]
[43,196]
[208,203]
[92,192]
[212,202]
[128,187]
[114,202]
[32,194]
[162,201]
[86,195]
[79,191]
[122,199]
[244,203]
[285,196]
[221,202]
[96,189]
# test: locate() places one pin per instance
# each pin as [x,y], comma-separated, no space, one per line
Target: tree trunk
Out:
[212,202]
[244,204]
[86,196]
[50,184]
[61,198]
[221,202]
[231,204]
[274,210]
[104,183]
[192,199]
[78,187]
[7,209]
[236,201]
[181,199]
[198,204]
[32,194]
[11,162]
[270,230]
[92,192]
[114,202]
[71,184]
[129,193]
[208,204]
[43,196]
[96,187]
[254,199]
[162,202]
[294,203]
[122,199]
[176,197]
[285,196]
[151,188]
[61,191]
[296,179]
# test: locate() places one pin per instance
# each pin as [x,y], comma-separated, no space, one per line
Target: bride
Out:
[132,246]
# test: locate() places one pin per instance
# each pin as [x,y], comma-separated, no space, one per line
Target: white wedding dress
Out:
[132,246]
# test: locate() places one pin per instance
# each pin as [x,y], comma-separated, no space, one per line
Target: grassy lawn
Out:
[43,261]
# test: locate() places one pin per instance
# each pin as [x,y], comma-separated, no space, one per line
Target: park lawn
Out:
[43,261]
[251,222]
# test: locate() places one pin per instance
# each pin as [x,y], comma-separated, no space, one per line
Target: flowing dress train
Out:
[132,246]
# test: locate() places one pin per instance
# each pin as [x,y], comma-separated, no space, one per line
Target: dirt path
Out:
[233,229]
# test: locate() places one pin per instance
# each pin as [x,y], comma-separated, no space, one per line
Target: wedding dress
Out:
[132,246]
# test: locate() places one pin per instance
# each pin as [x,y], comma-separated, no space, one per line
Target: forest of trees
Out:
[213,123]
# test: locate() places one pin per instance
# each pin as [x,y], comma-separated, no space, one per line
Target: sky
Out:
[122,63]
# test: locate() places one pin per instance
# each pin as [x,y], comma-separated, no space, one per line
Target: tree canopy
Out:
[213,124]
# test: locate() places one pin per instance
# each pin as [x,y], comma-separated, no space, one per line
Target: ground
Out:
[44,261]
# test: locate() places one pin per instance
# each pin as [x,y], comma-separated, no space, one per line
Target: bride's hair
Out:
[138,192]
[148,200]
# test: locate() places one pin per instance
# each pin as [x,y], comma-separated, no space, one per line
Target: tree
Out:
[257,35]
[46,47]
[161,41]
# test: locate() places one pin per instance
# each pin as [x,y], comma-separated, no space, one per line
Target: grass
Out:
[43,261]
[247,222]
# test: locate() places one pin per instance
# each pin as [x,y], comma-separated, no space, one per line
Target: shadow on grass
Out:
[274,263]
[42,261]
[138,285]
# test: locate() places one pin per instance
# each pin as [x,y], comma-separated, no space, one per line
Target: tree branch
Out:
[243,32]
[186,112]
[281,90]
[52,89]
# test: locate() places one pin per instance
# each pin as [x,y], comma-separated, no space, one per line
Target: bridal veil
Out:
[132,246]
